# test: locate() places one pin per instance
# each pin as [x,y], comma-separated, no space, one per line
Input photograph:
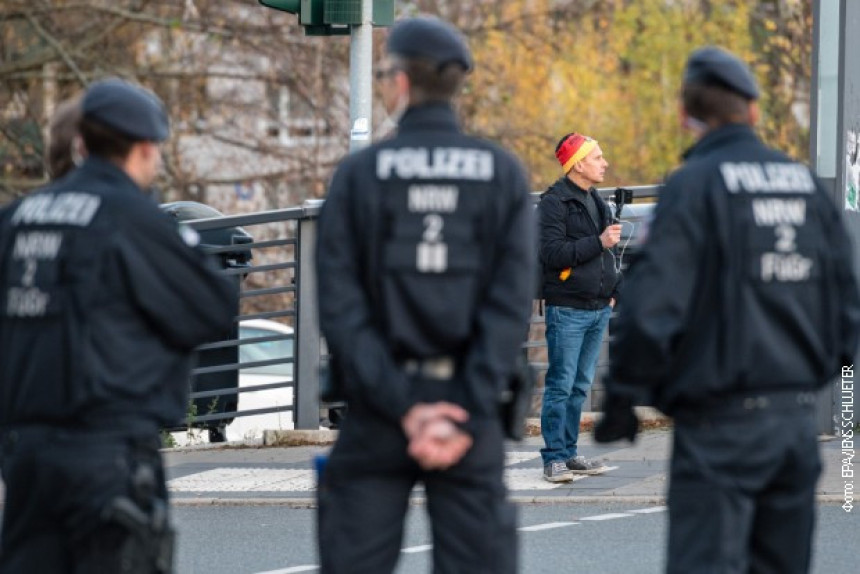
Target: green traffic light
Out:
[291,6]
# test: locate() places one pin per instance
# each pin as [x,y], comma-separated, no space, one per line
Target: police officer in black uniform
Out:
[102,300]
[425,264]
[742,305]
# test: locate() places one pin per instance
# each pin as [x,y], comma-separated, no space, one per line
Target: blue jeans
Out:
[573,338]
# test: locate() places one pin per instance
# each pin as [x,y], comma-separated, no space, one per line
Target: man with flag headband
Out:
[580,282]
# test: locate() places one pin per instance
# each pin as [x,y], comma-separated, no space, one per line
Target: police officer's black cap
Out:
[712,66]
[127,108]
[429,38]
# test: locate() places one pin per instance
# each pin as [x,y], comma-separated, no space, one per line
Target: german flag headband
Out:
[574,149]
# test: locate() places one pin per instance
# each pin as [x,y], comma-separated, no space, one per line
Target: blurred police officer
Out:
[102,300]
[742,306]
[65,149]
[425,265]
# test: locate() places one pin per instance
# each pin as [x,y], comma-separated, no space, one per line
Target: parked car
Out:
[269,361]
[238,256]
[635,218]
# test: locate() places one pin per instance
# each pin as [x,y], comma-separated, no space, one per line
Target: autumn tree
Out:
[612,69]
[251,98]
[259,107]
[782,43]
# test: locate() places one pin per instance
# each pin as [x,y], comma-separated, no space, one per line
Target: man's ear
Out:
[683,116]
[692,124]
[754,113]
[149,149]
[78,150]
[141,149]
[402,82]
[144,149]
[138,164]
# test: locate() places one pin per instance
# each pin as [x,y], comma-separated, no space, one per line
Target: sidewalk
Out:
[284,475]
[235,473]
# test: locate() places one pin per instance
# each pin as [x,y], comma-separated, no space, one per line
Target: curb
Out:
[649,418]
[298,437]
[305,502]
[539,500]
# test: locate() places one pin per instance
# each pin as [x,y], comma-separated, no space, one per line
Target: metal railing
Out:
[281,285]
[278,286]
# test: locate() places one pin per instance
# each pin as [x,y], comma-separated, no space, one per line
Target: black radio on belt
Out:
[622,196]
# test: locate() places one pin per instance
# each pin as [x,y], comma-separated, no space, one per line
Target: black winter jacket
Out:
[379,306]
[744,285]
[569,238]
[102,301]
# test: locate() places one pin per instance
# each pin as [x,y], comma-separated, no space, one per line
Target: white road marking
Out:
[416,549]
[533,528]
[547,526]
[609,516]
[649,510]
[292,570]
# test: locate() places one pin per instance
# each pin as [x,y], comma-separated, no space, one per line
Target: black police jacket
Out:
[569,238]
[426,249]
[745,283]
[101,302]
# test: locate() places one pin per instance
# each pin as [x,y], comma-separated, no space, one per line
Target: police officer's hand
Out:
[611,236]
[435,440]
[422,413]
[440,445]
[619,420]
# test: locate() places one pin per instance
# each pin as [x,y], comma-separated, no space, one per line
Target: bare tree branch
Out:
[58,47]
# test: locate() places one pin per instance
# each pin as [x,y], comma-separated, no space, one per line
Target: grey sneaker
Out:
[582,465]
[557,472]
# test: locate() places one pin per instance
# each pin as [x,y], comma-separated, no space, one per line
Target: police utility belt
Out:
[749,403]
[435,369]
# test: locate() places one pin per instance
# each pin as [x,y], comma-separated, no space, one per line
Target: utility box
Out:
[342,12]
[349,12]
[333,17]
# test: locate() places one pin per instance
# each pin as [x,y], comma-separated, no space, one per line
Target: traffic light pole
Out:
[834,104]
[360,74]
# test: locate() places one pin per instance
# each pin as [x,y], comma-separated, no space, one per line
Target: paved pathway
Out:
[284,475]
